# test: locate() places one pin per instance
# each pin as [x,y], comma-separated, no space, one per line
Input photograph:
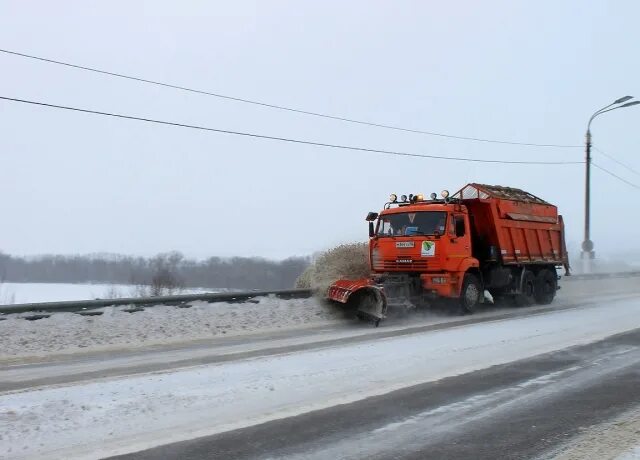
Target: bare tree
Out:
[214,272]
[165,279]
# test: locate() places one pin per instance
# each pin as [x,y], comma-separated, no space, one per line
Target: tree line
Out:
[170,268]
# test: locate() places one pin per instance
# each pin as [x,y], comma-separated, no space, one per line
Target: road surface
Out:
[506,383]
[526,409]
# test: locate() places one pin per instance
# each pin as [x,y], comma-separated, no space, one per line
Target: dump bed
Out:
[512,226]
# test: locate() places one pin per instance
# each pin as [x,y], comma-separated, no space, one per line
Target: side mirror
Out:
[371,216]
[371,232]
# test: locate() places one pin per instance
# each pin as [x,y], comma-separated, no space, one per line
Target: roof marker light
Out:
[393,198]
[434,195]
[445,194]
[403,198]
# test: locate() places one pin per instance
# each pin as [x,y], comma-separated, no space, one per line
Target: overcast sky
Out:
[524,71]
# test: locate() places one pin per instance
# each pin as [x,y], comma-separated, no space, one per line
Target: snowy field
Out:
[97,418]
[11,293]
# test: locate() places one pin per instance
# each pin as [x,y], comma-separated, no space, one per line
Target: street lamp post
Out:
[587,245]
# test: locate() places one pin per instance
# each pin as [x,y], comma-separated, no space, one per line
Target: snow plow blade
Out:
[368,299]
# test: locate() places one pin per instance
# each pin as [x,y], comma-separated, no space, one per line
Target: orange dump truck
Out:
[499,239]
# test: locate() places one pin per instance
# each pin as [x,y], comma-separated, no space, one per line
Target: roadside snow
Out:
[69,332]
[632,454]
[105,417]
[613,440]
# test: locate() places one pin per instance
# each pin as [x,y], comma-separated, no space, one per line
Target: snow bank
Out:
[616,439]
[633,454]
[68,332]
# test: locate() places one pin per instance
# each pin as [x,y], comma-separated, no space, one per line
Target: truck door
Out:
[459,238]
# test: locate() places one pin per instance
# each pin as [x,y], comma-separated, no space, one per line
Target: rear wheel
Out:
[527,296]
[470,293]
[546,286]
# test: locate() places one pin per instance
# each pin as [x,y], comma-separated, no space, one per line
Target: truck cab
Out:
[421,248]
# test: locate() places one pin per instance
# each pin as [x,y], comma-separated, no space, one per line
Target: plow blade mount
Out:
[365,297]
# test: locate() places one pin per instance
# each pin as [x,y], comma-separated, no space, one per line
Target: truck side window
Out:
[460,228]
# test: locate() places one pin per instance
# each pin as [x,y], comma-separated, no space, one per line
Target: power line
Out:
[616,176]
[617,161]
[281,107]
[285,139]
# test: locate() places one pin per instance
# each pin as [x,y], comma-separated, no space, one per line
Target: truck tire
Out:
[546,286]
[527,296]
[470,294]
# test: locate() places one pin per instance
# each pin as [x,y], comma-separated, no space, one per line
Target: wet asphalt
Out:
[521,410]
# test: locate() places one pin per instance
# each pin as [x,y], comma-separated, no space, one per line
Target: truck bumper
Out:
[441,284]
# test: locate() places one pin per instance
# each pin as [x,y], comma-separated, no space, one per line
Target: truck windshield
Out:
[412,223]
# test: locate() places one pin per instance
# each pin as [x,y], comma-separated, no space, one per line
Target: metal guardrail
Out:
[599,276]
[86,306]
[179,300]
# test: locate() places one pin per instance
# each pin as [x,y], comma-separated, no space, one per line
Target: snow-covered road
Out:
[125,414]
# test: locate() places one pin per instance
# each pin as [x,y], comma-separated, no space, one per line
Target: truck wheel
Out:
[470,294]
[528,295]
[546,286]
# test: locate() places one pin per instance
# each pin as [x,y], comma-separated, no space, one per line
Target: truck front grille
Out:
[394,264]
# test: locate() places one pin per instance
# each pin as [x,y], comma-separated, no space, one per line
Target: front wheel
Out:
[470,293]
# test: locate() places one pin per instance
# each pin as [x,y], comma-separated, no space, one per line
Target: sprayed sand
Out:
[350,261]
